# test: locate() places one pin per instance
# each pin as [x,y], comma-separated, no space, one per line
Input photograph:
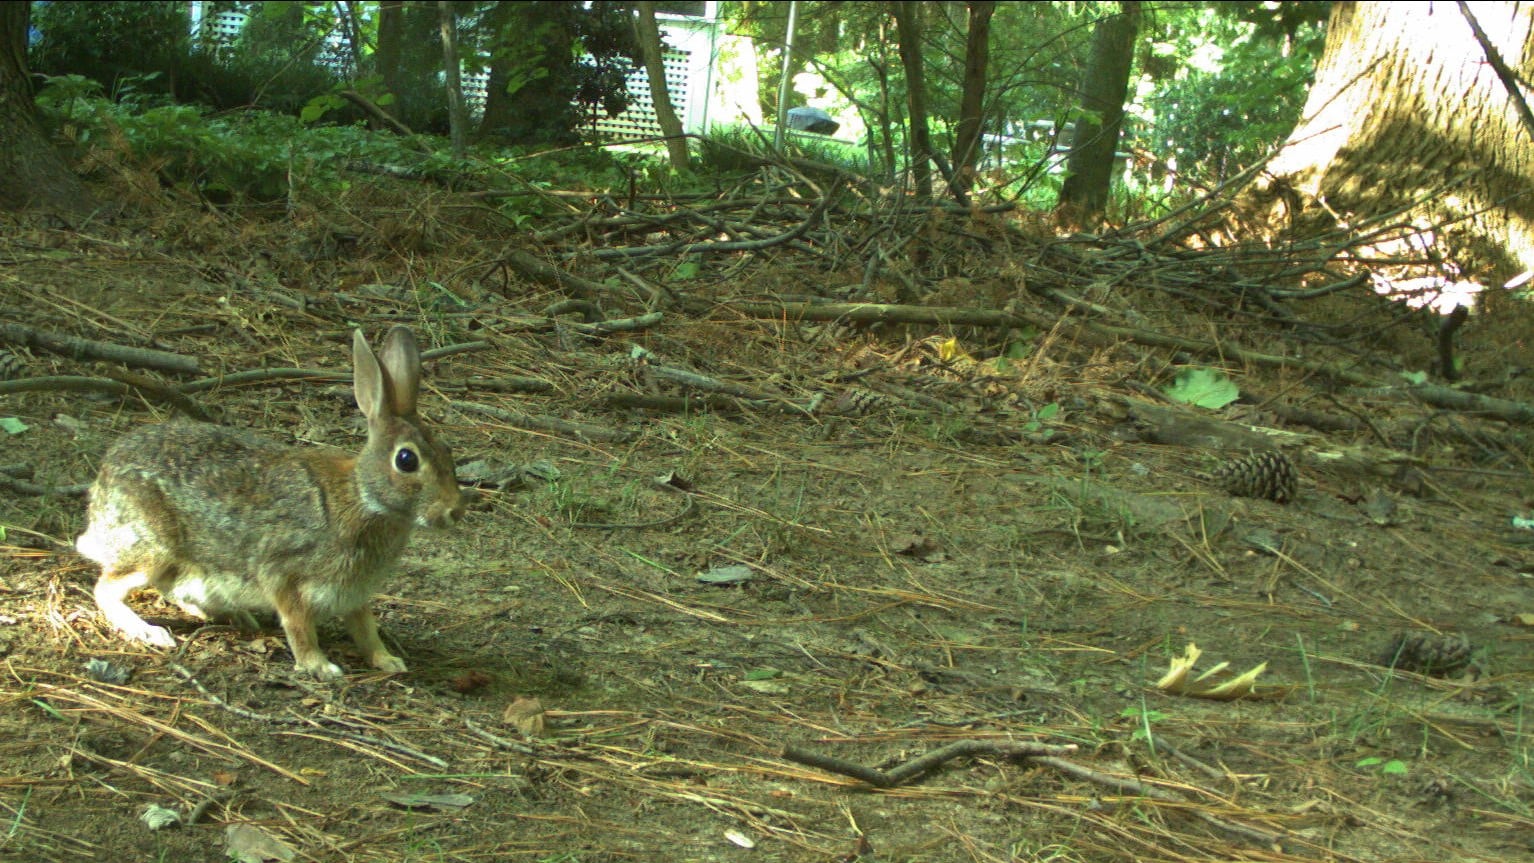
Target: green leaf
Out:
[1205,388]
[761,674]
[1018,350]
[1394,767]
[12,425]
[1416,379]
[1370,761]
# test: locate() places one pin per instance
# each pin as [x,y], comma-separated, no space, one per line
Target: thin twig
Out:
[917,766]
[579,431]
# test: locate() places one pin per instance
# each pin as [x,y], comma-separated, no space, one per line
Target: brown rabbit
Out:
[224,522]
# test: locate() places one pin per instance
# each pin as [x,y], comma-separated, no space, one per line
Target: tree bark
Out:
[908,28]
[977,52]
[33,175]
[660,94]
[1103,89]
[386,58]
[458,116]
[1406,112]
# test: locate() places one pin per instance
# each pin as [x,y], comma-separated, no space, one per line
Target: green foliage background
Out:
[1217,85]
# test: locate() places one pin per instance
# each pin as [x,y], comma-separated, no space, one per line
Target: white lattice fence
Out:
[689,42]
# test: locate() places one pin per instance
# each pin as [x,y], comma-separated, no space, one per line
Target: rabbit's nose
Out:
[446,511]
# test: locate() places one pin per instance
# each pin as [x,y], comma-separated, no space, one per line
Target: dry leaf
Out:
[470,680]
[249,844]
[158,817]
[428,801]
[526,715]
[739,838]
[1176,679]
[675,480]
[917,546]
[734,573]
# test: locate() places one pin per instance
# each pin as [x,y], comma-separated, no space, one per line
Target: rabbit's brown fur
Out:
[223,522]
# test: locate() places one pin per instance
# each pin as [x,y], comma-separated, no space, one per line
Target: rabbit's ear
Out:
[402,370]
[367,379]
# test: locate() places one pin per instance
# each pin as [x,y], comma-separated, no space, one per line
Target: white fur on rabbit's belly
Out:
[218,593]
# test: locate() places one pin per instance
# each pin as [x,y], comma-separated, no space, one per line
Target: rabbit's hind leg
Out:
[364,629]
[111,588]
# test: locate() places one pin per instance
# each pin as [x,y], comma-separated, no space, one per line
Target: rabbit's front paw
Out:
[321,669]
[388,662]
[147,633]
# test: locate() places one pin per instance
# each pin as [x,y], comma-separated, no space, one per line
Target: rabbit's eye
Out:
[406,460]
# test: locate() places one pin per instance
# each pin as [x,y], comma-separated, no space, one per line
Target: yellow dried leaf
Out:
[1176,679]
[1177,674]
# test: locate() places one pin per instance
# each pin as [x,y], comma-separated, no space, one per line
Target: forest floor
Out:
[610,655]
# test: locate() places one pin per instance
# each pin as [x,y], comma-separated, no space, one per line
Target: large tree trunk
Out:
[32,174]
[1103,89]
[908,28]
[977,52]
[1406,112]
[660,94]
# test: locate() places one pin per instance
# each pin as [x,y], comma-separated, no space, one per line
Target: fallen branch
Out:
[120,384]
[153,389]
[687,404]
[86,349]
[682,247]
[264,375]
[918,766]
[503,384]
[372,109]
[460,348]
[27,488]
[543,273]
[869,313]
[602,328]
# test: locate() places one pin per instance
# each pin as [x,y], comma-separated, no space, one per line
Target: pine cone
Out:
[1268,475]
[1428,653]
[857,401]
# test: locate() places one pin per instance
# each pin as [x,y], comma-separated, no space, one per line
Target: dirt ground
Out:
[876,584]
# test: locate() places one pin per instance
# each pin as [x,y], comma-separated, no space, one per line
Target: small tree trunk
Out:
[1103,89]
[908,28]
[458,116]
[32,174]
[977,52]
[386,57]
[346,15]
[660,95]
[883,142]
